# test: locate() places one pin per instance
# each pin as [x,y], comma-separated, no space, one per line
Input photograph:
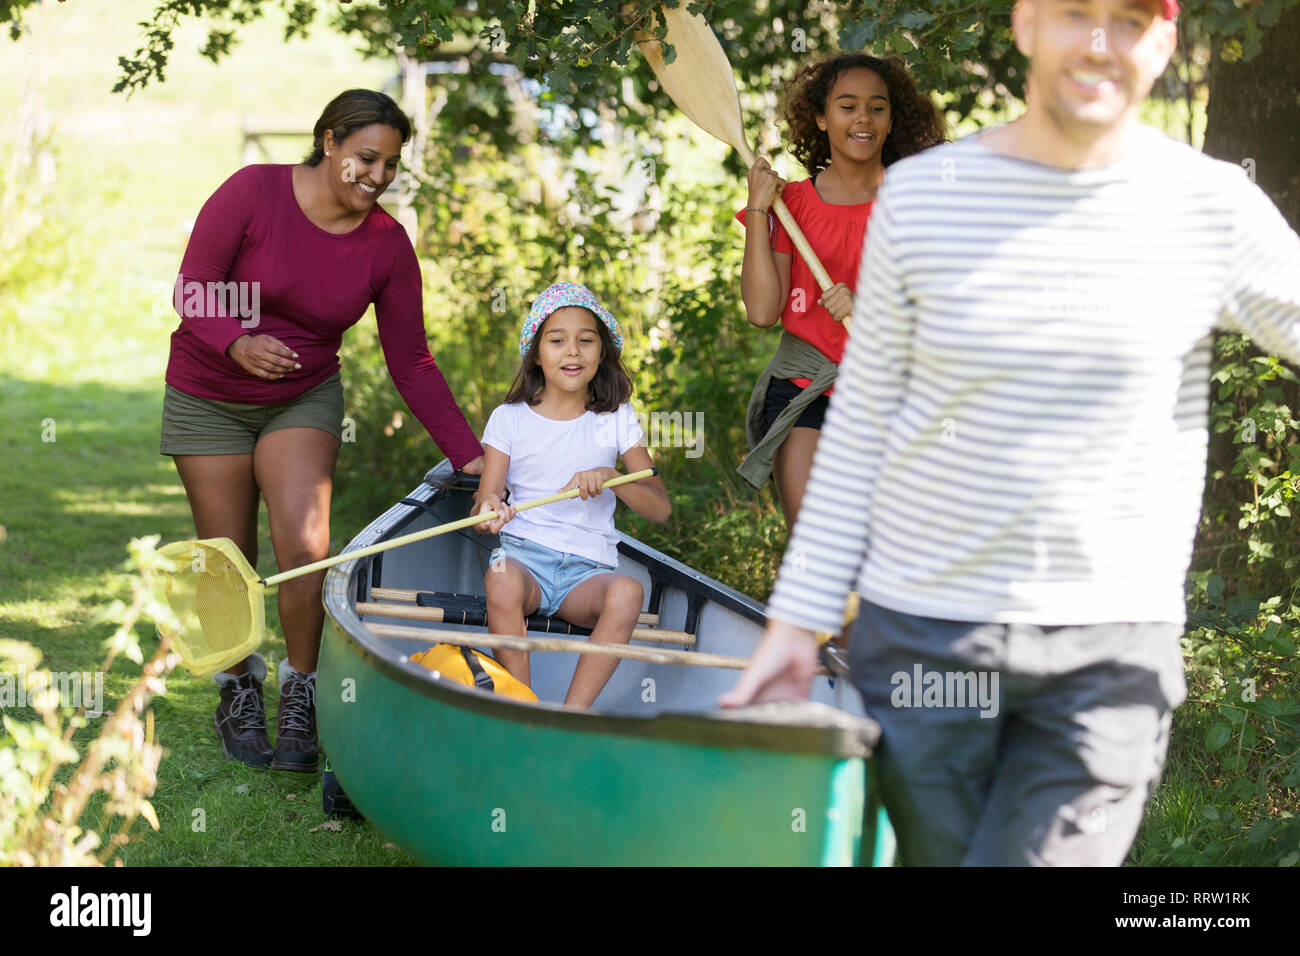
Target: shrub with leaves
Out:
[46,818]
[1240,732]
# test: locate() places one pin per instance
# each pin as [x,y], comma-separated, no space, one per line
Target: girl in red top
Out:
[849,118]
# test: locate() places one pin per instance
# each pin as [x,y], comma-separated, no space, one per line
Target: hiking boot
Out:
[241,716]
[295,736]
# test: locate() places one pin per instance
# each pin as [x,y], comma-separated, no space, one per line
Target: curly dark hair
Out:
[915,123]
[608,390]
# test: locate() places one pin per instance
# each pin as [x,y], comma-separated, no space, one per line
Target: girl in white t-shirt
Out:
[564,425]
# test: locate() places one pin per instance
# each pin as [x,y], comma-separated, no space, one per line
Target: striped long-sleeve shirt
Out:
[1019,426]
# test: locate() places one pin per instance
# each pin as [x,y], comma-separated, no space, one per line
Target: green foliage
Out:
[1240,734]
[43,821]
[582,49]
[1241,728]
[943,45]
[1236,27]
[225,17]
[705,363]
[1252,410]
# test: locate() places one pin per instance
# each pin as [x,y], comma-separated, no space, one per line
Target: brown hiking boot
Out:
[241,716]
[295,736]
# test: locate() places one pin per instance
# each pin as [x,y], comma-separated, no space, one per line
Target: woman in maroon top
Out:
[281,261]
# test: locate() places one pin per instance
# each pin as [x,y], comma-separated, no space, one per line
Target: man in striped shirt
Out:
[1012,466]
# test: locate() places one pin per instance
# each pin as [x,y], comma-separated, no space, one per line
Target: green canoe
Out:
[654,774]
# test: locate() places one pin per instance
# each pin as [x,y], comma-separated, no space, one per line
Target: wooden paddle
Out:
[702,85]
[275,579]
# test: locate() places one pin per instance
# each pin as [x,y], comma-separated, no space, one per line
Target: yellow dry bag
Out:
[466,666]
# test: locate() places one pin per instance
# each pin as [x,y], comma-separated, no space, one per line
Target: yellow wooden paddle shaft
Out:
[442,529]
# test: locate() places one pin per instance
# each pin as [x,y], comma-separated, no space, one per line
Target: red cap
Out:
[1171,9]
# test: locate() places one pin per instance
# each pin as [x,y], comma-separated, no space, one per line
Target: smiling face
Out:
[363,165]
[569,349]
[857,117]
[1092,61]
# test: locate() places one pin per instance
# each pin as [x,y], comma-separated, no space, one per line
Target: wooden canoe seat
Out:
[471,609]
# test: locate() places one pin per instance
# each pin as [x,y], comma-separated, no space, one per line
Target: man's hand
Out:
[782,668]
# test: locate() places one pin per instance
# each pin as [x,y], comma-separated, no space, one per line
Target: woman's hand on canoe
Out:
[782,668]
[504,511]
[264,356]
[473,467]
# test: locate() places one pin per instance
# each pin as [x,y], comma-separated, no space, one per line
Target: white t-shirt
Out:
[544,455]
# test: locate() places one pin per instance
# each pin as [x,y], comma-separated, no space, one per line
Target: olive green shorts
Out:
[201,426]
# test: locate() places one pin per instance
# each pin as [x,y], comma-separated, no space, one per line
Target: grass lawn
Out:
[83,348]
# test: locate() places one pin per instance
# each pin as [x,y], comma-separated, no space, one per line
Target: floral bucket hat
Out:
[557,297]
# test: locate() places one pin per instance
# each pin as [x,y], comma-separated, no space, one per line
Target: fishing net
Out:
[217,598]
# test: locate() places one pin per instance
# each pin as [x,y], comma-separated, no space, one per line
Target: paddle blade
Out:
[699,80]
[215,597]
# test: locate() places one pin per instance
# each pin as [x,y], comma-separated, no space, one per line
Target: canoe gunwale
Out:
[806,728]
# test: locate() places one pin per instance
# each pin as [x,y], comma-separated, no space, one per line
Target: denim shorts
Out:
[556,572]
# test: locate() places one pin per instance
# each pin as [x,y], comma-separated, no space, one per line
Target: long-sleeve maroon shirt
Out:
[312,286]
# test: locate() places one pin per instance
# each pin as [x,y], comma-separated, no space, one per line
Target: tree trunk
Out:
[1253,119]
[1254,114]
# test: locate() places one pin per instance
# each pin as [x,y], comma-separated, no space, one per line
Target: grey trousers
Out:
[1016,744]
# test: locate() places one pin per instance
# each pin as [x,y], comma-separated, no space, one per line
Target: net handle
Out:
[441,529]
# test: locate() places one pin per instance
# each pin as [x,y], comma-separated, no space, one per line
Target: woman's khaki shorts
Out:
[201,426]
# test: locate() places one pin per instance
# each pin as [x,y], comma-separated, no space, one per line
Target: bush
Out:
[1240,731]
[44,809]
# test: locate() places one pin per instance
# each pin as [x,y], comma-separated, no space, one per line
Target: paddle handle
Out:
[792,228]
[797,237]
[442,529]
